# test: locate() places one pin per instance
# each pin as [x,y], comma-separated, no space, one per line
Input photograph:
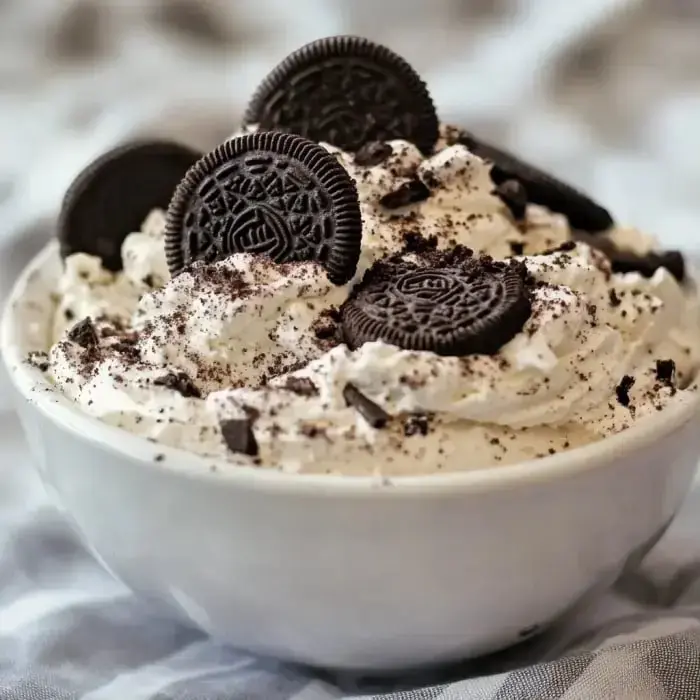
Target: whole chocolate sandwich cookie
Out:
[447,306]
[347,288]
[346,91]
[112,197]
[266,193]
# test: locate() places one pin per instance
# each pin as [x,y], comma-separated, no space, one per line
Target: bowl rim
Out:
[35,389]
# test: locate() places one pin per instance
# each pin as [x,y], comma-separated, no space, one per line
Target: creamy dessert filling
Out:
[377,308]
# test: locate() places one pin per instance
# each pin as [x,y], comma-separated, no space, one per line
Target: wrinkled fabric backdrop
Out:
[604,92]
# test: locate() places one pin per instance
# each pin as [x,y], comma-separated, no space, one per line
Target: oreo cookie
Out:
[628,261]
[514,196]
[346,91]
[112,197]
[473,306]
[647,265]
[266,193]
[543,189]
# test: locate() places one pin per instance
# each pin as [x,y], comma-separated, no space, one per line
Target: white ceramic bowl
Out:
[349,572]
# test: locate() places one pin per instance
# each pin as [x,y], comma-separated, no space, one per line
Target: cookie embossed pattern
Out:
[368,354]
[266,193]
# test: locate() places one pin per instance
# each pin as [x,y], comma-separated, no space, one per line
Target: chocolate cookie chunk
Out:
[268,193]
[84,334]
[111,198]
[514,196]
[180,382]
[409,193]
[374,414]
[543,189]
[474,307]
[648,264]
[373,153]
[628,261]
[239,436]
[347,91]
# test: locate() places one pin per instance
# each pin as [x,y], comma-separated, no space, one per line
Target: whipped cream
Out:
[175,359]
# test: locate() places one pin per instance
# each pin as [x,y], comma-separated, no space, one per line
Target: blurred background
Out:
[603,92]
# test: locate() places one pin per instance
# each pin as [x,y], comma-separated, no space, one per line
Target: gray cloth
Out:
[69,632]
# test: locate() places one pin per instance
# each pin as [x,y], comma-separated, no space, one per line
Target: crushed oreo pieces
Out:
[565,247]
[38,359]
[180,382]
[239,437]
[417,424]
[409,193]
[615,300]
[324,331]
[326,327]
[84,334]
[666,372]
[373,153]
[128,350]
[516,247]
[622,390]
[302,386]
[375,415]
[414,242]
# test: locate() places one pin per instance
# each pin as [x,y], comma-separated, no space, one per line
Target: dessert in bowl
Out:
[361,391]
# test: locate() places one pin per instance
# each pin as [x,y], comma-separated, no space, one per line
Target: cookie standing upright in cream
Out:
[371,293]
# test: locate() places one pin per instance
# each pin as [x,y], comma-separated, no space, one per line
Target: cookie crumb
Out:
[180,382]
[84,334]
[666,372]
[38,359]
[622,390]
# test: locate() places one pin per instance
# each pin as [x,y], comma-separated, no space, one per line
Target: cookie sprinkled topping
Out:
[347,91]
[473,307]
[273,194]
[375,415]
[84,334]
